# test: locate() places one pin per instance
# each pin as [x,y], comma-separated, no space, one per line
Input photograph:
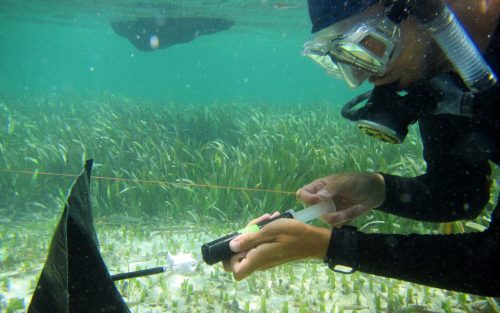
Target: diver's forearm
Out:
[466,262]
[438,198]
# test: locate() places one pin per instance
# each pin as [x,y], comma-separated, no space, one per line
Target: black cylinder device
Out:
[219,250]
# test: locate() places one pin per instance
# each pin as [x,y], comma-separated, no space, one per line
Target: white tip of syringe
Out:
[183,263]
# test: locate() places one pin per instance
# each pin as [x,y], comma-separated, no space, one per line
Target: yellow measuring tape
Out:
[146,181]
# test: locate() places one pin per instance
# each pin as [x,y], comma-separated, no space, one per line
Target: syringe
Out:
[219,250]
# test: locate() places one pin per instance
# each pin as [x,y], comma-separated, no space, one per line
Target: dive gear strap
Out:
[386,115]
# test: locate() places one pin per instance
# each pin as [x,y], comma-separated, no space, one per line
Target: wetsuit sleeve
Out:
[456,184]
[466,262]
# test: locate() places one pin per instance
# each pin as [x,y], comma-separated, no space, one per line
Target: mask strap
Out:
[397,10]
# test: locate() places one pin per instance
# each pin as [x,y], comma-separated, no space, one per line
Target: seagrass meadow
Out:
[157,168]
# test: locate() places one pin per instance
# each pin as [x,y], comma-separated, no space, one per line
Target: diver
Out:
[433,63]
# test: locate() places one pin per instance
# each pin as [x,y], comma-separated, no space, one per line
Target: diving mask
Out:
[362,51]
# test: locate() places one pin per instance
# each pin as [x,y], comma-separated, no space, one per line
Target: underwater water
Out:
[189,143]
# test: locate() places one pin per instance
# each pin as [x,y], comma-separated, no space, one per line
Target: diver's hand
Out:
[353,194]
[278,242]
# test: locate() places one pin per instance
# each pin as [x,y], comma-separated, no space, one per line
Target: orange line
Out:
[152,182]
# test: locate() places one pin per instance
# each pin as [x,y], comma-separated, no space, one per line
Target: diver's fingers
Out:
[314,192]
[344,216]
[236,260]
[248,241]
[259,258]
[246,266]
[228,265]
[263,218]
[259,219]
[242,270]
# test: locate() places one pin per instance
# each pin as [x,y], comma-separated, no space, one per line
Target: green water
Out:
[239,108]
[62,49]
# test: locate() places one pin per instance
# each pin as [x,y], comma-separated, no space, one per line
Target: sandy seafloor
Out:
[135,244]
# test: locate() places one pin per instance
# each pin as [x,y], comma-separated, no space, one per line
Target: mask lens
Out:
[326,62]
[373,45]
[357,55]
[353,76]
[362,51]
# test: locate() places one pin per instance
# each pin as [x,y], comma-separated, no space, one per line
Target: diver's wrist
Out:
[320,240]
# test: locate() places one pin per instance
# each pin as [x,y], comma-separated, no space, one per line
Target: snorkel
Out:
[449,34]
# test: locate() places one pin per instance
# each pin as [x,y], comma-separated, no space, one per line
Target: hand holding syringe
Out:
[219,250]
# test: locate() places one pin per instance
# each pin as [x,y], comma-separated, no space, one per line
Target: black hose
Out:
[353,115]
[146,272]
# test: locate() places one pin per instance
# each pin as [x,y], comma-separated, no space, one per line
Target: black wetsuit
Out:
[456,186]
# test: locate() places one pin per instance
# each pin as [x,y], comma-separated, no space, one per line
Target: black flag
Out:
[75,278]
